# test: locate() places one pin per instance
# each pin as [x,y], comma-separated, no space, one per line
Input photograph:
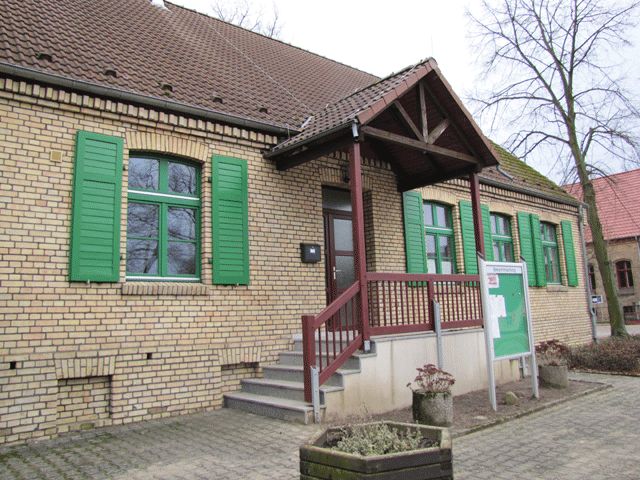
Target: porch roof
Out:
[412,119]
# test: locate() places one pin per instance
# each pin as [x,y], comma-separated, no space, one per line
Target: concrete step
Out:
[296,358]
[281,408]
[282,389]
[297,342]
[293,373]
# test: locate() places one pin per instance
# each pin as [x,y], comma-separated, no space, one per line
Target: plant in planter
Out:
[552,357]
[432,399]
[380,450]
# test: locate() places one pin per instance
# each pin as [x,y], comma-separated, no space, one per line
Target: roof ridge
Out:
[392,74]
[605,177]
[271,38]
[404,71]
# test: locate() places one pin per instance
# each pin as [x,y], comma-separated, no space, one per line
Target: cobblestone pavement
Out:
[593,437]
[225,444]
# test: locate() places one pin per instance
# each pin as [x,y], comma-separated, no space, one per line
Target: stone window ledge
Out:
[557,288]
[164,288]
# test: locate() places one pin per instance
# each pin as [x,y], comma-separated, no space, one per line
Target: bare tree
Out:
[243,14]
[551,69]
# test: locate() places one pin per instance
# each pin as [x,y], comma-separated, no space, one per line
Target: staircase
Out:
[280,394]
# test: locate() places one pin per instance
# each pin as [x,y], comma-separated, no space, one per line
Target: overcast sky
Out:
[384,36]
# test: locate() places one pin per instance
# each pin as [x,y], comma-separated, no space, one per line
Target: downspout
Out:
[583,245]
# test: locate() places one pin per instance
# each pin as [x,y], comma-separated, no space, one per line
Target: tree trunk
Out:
[616,320]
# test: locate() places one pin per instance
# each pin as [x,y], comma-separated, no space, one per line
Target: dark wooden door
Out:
[339,254]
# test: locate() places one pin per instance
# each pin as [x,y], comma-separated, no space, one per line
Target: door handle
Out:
[334,272]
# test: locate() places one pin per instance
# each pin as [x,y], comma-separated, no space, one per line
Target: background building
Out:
[618,198]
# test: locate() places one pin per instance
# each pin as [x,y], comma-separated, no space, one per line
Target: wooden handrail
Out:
[312,324]
[420,277]
[333,308]
[398,303]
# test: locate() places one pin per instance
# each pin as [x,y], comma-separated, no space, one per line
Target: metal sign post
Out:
[507,318]
[438,329]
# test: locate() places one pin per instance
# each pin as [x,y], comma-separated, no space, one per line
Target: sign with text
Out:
[507,317]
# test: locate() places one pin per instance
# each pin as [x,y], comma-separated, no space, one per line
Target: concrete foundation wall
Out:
[381,385]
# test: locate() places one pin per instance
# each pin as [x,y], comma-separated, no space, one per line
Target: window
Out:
[163,219]
[501,238]
[592,277]
[629,313]
[623,272]
[550,252]
[439,238]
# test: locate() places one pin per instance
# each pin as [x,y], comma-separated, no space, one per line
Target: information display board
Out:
[507,318]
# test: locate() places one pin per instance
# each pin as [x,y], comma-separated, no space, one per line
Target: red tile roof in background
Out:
[618,200]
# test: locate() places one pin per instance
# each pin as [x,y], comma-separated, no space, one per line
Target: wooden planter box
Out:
[319,462]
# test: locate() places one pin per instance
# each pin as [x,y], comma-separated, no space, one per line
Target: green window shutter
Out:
[230,212]
[95,221]
[526,245]
[468,238]
[414,241]
[538,253]
[486,230]
[569,253]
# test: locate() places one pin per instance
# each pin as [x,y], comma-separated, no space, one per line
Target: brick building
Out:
[161,170]
[620,216]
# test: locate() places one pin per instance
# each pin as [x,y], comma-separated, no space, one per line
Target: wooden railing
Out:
[331,337]
[397,303]
[403,302]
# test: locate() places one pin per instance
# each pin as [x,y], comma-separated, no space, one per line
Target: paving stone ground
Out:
[593,437]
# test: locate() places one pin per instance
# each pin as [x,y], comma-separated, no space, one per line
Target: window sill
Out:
[557,288]
[626,291]
[164,288]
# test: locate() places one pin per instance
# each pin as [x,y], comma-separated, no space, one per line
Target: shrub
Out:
[610,355]
[379,439]
[431,379]
[552,352]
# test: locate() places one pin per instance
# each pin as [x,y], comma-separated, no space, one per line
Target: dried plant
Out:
[379,439]
[612,355]
[431,379]
[552,353]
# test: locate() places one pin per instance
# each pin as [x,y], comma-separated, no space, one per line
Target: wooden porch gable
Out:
[413,120]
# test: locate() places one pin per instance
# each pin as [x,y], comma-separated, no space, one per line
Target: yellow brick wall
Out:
[558,311]
[164,346]
[83,403]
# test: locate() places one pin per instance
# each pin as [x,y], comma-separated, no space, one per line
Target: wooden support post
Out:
[477,213]
[357,209]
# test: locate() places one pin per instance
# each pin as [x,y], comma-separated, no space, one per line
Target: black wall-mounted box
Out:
[310,252]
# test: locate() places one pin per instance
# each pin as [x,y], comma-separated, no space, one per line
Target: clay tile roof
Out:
[193,59]
[519,174]
[346,110]
[618,200]
[198,56]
